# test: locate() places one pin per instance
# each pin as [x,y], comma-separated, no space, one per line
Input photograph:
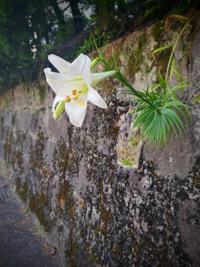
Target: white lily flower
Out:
[73,84]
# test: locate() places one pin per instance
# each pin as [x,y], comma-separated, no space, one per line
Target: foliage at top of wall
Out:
[29,30]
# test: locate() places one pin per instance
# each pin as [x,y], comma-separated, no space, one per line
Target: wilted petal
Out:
[55,102]
[81,66]
[61,83]
[60,64]
[97,77]
[76,113]
[96,99]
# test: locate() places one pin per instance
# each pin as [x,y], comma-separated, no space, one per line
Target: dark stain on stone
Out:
[22,189]
[66,200]
[62,158]
[38,204]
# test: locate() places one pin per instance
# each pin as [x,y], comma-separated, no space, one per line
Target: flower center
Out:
[76,94]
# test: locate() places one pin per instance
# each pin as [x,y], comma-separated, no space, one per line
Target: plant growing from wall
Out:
[158,113]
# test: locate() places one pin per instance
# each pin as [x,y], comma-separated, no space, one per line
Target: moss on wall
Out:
[42,92]
[66,200]
[37,152]
[38,204]
[22,189]
[7,145]
[137,55]
[62,157]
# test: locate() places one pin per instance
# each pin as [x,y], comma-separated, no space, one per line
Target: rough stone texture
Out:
[128,143]
[96,211]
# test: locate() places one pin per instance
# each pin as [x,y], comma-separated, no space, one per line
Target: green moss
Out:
[196,99]
[105,214]
[22,189]
[42,92]
[17,161]
[2,122]
[38,204]
[162,60]
[37,152]
[71,250]
[135,138]
[128,149]
[66,200]
[13,149]
[107,87]
[62,158]
[112,131]
[37,156]
[7,146]
[157,31]
[67,207]
[196,173]
[136,57]
[127,162]
[196,181]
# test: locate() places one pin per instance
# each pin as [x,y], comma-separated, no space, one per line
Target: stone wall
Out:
[103,197]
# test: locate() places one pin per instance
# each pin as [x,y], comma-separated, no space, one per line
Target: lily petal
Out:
[76,113]
[96,99]
[60,64]
[61,83]
[81,66]
[97,77]
[55,102]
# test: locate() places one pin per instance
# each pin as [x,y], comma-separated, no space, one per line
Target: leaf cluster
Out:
[160,113]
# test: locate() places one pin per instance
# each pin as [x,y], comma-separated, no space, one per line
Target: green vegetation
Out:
[30,30]
[162,115]
[128,162]
[159,111]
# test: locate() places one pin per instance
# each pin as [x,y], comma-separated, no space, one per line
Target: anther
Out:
[74,92]
[76,97]
[67,99]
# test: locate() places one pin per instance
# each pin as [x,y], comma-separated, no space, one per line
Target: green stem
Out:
[59,110]
[173,49]
[120,77]
[94,63]
[97,61]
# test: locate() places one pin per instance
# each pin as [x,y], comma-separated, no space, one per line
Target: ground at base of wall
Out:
[20,245]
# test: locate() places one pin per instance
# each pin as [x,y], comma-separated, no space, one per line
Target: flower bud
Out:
[59,110]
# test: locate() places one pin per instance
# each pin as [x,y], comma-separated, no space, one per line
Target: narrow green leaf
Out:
[160,49]
[172,67]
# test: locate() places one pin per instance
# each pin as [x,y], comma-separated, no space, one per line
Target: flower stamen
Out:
[74,92]
[67,99]
[76,97]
